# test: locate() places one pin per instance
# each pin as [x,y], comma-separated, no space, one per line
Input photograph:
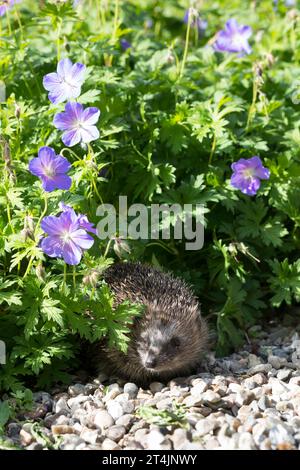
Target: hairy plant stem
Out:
[107,248]
[252,106]
[186,47]
[35,233]
[58,31]
[74,277]
[213,148]
[8,23]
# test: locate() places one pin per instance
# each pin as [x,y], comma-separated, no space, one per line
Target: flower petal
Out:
[71,253]
[89,133]
[82,239]
[63,121]
[90,116]
[71,138]
[52,247]
[77,73]
[51,225]
[64,67]
[61,164]
[63,182]
[36,167]
[51,81]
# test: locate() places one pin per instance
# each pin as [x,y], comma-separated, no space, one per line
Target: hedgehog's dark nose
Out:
[150,362]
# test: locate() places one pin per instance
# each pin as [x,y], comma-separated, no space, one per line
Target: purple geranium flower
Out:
[125,44]
[51,169]
[64,84]
[6,5]
[233,38]
[196,21]
[66,237]
[82,219]
[77,123]
[247,175]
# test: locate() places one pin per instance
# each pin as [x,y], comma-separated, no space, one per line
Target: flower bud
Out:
[120,246]
[40,272]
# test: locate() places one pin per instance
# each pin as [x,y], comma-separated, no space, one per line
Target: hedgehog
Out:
[169,337]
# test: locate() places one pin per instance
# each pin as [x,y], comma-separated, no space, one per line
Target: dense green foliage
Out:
[170,130]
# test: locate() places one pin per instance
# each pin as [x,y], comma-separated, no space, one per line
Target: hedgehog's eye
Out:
[175,342]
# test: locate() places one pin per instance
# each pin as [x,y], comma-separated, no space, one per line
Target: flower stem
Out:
[252,106]
[42,215]
[65,278]
[28,267]
[116,19]
[19,23]
[213,148]
[9,217]
[58,31]
[107,248]
[8,22]
[186,47]
[35,233]
[74,277]
[115,29]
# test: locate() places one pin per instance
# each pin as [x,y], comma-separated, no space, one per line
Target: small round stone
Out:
[76,389]
[103,420]
[115,409]
[131,389]
[156,387]
[115,433]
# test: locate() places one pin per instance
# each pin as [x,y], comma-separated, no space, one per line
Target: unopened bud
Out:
[120,246]
[40,272]
[17,111]
[29,223]
[270,59]
[91,279]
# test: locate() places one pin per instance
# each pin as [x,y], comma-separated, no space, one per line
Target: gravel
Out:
[249,400]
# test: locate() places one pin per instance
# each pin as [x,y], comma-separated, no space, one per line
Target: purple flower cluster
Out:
[247,175]
[77,123]
[67,236]
[233,38]
[6,5]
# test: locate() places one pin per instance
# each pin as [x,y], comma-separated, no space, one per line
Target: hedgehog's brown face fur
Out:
[163,346]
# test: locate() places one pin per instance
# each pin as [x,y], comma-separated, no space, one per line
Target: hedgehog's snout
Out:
[158,348]
[150,361]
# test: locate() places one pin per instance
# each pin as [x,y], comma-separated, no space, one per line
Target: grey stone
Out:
[210,397]
[90,436]
[108,444]
[115,433]
[61,405]
[115,409]
[260,368]
[76,389]
[131,389]
[75,402]
[246,441]
[71,442]
[156,387]
[125,420]
[205,426]
[103,420]
[179,438]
